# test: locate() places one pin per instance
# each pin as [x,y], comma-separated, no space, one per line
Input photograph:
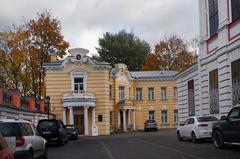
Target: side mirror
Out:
[223,117]
[181,124]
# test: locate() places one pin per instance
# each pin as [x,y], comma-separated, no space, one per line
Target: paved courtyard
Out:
[140,145]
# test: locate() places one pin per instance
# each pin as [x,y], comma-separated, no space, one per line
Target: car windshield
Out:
[9,129]
[70,130]
[51,124]
[207,118]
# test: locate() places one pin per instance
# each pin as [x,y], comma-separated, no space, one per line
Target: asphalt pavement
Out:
[141,145]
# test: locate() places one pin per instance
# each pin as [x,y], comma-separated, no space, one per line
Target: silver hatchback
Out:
[23,139]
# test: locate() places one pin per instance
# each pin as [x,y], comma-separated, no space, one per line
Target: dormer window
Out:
[78,57]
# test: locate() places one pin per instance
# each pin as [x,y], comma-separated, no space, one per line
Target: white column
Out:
[93,117]
[129,117]
[134,119]
[71,115]
[64,116]
[124,120]
[85,120]
[119,119]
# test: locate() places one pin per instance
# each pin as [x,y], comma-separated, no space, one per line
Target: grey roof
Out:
[53,63]
[114,71]
[153,74]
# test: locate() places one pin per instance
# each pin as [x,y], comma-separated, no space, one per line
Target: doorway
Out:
[79,123]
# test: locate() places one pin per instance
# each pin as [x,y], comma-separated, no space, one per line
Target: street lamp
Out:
[48,103]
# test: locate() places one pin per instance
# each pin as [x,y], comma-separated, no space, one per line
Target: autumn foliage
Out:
[170,53]
[29,47]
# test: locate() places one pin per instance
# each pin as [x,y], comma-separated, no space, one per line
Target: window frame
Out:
[164,116]
[151,93]
[139,95]
[213,17]
[121,93]
[236,8]
[151,115]
[214,92]
[165,94]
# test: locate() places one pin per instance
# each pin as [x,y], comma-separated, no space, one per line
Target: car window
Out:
[28,129]
[186,122]
[234,114]
[48,124]
[9,129]
[207,118]
[191,121]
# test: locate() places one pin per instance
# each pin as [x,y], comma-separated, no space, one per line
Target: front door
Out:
[79,123]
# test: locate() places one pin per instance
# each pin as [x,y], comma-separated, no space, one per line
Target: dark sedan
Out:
[150,125]
[72,132]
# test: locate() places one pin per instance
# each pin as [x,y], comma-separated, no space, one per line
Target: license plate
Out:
[47,132]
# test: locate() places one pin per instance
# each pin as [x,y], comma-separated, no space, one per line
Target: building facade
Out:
[212,85]
[91,94]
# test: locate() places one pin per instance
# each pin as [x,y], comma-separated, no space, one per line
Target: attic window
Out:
[78,57]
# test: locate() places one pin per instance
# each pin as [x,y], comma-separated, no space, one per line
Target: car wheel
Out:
[31,154]
[61,142]
[194,138]
[179,136]
[45,153]
[218,140]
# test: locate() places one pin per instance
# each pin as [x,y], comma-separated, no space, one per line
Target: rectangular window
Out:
[191,98]
[164,93]
[176,116]
[121,93]
[129,93]
[213,16]
[110,91]
[151,115]
[138,94]
[100,118]
[164,116]
[175,93]
[213,92]
[151,95]
[78,85]
[235,5]
[236,82]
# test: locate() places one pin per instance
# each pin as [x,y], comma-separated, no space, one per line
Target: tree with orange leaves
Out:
[151,63]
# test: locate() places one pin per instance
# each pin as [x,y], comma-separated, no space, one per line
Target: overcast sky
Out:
[85,21]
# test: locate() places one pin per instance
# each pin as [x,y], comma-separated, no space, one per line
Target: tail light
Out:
[202,125]
[20,141]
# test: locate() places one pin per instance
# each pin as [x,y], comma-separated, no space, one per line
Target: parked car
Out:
[150,125]
[23,139]
[196,128]
[53,131]
[227,130]
[5,151]
[72,132]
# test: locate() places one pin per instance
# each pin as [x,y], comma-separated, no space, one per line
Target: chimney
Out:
[1,93]
[15,97]
[30,103]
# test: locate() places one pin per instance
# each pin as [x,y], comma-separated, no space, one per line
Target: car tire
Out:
[218,140]
[45,153]
[179,136]
[193,138]
[61,142]
[31,154]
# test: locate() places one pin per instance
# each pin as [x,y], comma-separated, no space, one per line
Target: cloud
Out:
[84,21]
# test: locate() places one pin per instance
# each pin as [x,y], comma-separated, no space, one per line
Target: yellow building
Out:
[93,95]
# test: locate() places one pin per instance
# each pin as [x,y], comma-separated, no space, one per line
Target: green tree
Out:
[123,47]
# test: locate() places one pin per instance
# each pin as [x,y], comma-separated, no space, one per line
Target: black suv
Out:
[53,131]
[228,129]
